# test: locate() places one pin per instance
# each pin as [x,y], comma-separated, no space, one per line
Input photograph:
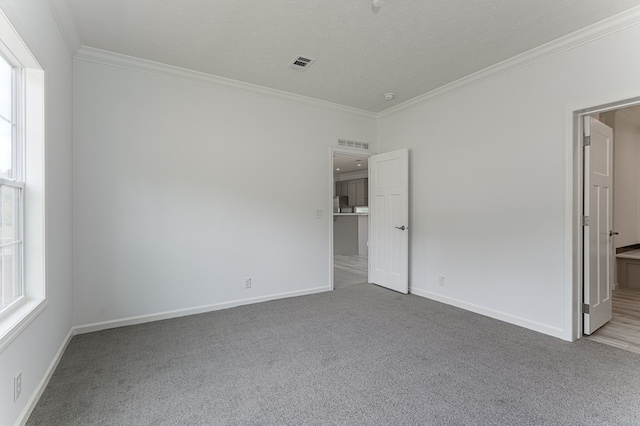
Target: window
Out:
[22,236]
[11,187]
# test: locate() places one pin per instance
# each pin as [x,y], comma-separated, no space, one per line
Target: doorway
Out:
[350,192]
[622,234]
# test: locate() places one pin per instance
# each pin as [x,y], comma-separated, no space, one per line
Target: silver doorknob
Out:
[402,228]
[613,233]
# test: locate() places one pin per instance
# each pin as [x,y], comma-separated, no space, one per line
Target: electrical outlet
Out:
[247,282]
[441,281]
[17,386]
[319,214]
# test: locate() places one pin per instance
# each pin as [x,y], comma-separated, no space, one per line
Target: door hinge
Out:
[585,308]
[585,221]
[586,141]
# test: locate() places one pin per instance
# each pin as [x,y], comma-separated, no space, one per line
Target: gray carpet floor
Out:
[362,355]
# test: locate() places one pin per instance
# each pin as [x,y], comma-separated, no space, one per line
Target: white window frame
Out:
[17,179]
[30,127]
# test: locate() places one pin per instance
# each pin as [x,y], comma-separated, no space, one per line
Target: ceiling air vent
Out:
[300,63]
[353,144]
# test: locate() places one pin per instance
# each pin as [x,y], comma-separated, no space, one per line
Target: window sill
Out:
[13,322]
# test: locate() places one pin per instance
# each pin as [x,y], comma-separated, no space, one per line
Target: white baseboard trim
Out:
[35,397]
[105,325]
[502,316]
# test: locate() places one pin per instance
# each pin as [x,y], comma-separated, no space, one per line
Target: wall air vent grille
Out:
[301,63]
[353,144]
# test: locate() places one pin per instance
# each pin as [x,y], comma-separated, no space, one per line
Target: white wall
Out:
[626,210]
[33,351]
[487,181]
[181,191]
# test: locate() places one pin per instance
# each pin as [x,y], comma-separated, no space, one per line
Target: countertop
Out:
[633,254]
[356,214]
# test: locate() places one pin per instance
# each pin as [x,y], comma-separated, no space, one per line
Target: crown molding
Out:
[578,38]
[91,54]
[64,21]
[13,43]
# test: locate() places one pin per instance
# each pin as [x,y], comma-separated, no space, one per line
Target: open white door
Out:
[389,220]
[599,258]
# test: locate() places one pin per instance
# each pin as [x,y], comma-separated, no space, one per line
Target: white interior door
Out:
[599,259]
[389,220]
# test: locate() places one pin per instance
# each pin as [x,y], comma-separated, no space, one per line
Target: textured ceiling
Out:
[408,47]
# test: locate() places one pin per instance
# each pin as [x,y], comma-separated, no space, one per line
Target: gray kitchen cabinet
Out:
[362,192]
[351,192]
[342,188]
[356,189]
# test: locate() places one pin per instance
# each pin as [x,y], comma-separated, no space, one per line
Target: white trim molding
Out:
[585,35]
[573,172]
[30,105]
[35,397]
[491,313]
[141,319]
[106,57]
[15,321]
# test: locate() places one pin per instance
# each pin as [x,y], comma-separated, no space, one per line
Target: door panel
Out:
[396,262]
[389,212]
[599,259]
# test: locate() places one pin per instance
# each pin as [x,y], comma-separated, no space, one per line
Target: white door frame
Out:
[574,182]
[342,151]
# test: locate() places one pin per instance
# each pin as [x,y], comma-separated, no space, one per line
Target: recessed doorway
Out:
[623,328]
[350,219]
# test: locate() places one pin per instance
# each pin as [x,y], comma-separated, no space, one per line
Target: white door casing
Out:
[599,258]
[389,220]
